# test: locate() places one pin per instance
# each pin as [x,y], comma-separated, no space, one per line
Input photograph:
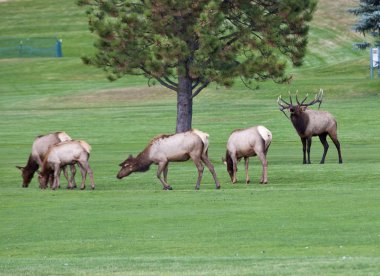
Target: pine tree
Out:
[368,12]
[187,44]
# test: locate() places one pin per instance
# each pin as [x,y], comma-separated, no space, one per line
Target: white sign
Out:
[375,57]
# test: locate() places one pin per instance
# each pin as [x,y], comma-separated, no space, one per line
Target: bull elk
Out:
[171,148]
[309,123]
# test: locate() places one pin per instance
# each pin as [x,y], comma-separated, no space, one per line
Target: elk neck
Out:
[143,161]
[300,121]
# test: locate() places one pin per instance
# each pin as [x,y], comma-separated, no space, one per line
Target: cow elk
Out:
[171,148]
[309,123]
[244,143]
[39,149]
[62,154]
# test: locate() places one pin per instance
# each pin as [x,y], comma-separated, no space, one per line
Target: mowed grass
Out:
[310,219]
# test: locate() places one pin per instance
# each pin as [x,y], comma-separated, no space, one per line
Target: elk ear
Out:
[20,168]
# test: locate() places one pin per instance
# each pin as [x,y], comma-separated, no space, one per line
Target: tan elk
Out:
[244,143]
[309,123]
[171,148]
[62,154]
[39,149]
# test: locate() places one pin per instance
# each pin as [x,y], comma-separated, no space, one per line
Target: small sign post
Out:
[375,58]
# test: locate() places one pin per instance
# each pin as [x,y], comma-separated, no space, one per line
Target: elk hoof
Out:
[247,181]
[218,187]
[167,188]
[93,188]
[82,188]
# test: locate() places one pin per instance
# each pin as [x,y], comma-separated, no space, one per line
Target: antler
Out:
[318,99]
[283,105]
[302,100]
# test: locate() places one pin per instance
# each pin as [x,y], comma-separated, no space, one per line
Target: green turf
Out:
[309,220]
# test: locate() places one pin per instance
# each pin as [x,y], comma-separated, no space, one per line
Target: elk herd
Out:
[54,152]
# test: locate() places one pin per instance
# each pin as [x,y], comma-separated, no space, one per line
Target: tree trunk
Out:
[184,104]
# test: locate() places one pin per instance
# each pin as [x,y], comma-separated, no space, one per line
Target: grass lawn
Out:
[309,220]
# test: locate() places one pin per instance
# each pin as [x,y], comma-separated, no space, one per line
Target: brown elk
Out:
[309,123]
[39,149]
[244,143]
[62,154]
[171,148]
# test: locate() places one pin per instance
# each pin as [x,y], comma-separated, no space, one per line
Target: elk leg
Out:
[211,169]
[308,149]
[91,174]
[73,172]
[51,180]
[57,173]
[69,186]
[84,173]
[304,149]
[165,170]
[246,161]
[323,140]
[334,138]
[200,169]
[264,162]
[161,167]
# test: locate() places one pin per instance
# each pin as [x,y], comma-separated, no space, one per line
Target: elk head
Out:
[27,176]
[127,167]
[297,109]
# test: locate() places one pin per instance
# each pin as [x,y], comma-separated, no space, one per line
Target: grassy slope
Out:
[308,220]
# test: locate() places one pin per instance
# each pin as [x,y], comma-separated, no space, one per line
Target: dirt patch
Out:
[142,94]
[111,97]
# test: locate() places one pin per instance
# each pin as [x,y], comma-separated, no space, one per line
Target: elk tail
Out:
[204,137]
[86,146]
[266,135]
[63,136]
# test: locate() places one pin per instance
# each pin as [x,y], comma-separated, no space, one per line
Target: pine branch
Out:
[204,85]
[169,81]
[161,81]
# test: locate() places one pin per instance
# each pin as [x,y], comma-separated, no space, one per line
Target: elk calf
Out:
[62,154]
[309,123]
[171,148]
[244,143]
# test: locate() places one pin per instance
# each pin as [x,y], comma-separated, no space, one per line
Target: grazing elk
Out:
[309,123]
[171,148]
[39,149]
[62,154]
[244,143]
